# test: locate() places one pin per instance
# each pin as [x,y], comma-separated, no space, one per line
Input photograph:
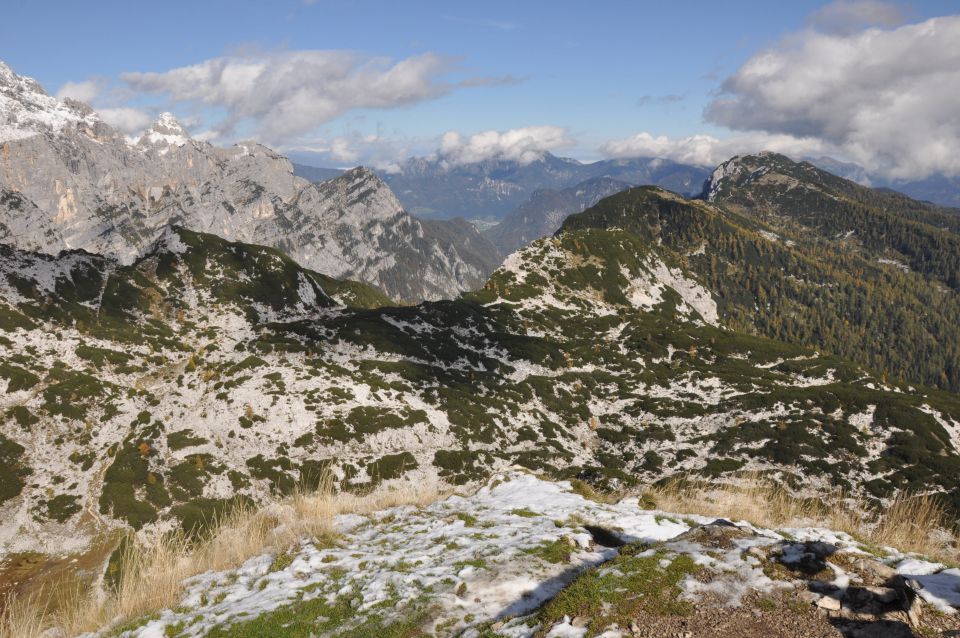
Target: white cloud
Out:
[290,93]
[388,154]
[888,99]
[707,150]
[125,119]
[847,16]
[355,148]
[206,136]
[524,145]
[107,101]
[342,151]
[84,91]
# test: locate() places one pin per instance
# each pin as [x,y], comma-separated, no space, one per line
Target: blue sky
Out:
[600,72]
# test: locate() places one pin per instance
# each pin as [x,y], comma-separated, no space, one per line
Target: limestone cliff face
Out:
[68,180]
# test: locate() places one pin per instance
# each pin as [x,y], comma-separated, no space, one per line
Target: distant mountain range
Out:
[435,188]
[68,180]
[545,211]
[494,190]
[937,189]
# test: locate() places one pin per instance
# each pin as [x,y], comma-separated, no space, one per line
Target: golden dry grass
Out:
[909,523]
[154,570]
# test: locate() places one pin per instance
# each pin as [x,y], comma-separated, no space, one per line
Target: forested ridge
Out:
[884,295]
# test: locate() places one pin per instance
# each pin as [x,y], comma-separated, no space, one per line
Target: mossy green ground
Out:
[617,592]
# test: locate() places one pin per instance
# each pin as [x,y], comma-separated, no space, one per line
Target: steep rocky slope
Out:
[69,181]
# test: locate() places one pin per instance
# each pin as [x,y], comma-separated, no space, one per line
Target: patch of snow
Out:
[941,587]
[27,110]
[565,629]
[893,262]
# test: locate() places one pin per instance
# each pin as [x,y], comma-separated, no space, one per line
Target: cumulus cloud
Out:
[707,150]
[342,151]
[355,148]
[847,16]
[108,102]
[126,119]
[206,136]
[888,99]
[388,154]
[290,93]
[84,91]
[524,145]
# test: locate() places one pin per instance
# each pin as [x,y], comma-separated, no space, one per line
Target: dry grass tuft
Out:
[909,523]
[153,572]
[917,524]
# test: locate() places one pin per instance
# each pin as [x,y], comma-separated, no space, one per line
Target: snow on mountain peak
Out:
[167,123]
[166,131]
[27,110]
[7,76]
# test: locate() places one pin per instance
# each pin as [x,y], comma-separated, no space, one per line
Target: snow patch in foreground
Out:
[477,558]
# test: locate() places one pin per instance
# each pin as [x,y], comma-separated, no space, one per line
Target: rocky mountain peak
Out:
[357,197]
[166,131]
[7,76]
[361,175]
[93,189]
[735,168]
[168,124]
[361,186]
[27,110]
[11,81]
[711,189]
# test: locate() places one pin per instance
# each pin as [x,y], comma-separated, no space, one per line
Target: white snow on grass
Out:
[895,263]
[692,293]
[483,542]
[473,560]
